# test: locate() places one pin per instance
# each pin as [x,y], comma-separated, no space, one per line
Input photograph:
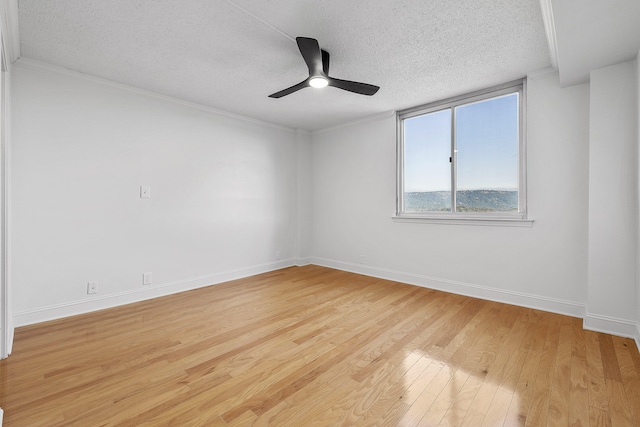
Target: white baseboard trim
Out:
[592,322]
[7,346]
[301,262]
[552,305]
[1,416]
[611,325]
[11,331]
[52,312]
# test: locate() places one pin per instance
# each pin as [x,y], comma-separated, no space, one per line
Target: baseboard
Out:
[59,311]
[11,332]
[477,291]
[9,340]
[301,262]
[592,322]
[611,325]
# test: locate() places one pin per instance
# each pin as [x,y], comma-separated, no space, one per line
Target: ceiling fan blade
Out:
[310,50]
[355,87]
[318,63]
[290,90]
[325,62]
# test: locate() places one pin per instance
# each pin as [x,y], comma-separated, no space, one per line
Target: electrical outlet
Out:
[146,279]
[363,259]
[277,254]
[145,191]
[92,288]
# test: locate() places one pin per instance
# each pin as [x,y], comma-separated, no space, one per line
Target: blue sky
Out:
[487,144]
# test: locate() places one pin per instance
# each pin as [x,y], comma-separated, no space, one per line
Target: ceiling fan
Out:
[318,62]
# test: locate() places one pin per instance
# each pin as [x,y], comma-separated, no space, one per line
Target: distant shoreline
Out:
[482,200]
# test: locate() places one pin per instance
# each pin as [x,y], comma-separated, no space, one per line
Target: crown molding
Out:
[550,30]
[39,65]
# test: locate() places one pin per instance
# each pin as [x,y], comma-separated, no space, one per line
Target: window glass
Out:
[427,167]
[487,155]
[463,156]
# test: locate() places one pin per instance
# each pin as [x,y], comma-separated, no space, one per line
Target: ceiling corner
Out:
[10,29]
[550,31]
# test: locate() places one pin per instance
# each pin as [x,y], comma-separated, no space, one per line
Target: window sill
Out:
[491,221]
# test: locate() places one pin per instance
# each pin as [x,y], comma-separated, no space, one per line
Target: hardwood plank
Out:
[619,406]
[597,388]
[283,389]
[478,365]
[522,398]
[536,330]
[463,357]
[578,389]
[560,386]
[437,385]
[503,371]
[610,364]
[459,321]
[539,410]
[630,376]
[599,418]
[619,409]
[392,395]
[316,346]
[497,412]
[328,408]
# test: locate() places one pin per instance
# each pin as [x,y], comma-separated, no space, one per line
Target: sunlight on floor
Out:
[442,394]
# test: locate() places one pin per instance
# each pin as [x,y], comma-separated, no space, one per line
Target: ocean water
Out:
[467,201]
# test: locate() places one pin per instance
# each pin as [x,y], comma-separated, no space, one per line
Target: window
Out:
[464,158]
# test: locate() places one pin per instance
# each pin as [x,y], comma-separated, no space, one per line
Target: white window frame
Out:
[480,218]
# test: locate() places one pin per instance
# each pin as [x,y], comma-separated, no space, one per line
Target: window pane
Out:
[427,170]
[487,155]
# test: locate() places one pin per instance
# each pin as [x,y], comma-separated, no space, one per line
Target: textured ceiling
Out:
[592,34]
[231,56]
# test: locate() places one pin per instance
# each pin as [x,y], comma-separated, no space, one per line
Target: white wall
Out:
[305,213]
[6,310]
[223,202]
[6,317]
[9,36]
[638,200]
[613,209]
[354,176]
[228,194]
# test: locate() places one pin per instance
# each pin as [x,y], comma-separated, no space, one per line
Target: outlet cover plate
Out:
[92,288]
[145,191]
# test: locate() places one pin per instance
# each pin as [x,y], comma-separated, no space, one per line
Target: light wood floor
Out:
[314,346]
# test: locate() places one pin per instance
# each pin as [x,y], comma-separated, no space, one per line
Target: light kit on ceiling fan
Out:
[318,62]
[318,82]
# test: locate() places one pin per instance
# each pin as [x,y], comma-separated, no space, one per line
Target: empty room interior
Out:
[195,232]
